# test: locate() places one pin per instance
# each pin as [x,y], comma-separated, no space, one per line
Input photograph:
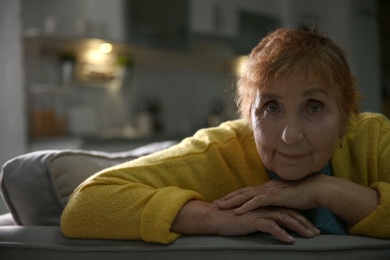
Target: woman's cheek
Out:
[264,149]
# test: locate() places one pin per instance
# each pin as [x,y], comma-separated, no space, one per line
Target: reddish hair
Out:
[309,55]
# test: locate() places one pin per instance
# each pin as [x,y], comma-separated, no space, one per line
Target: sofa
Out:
[36,187]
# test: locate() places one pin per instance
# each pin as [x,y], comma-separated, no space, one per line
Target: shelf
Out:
[219,54]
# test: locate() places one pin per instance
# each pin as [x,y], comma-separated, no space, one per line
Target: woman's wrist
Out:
[196,217]
[349,200]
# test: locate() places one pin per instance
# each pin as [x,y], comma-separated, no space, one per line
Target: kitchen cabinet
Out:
[162,24]
[214,18]
[243,23]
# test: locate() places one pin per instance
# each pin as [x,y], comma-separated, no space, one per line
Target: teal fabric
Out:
[323,218]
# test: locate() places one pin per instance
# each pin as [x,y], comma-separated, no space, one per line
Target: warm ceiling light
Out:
[105,47]
[97,57]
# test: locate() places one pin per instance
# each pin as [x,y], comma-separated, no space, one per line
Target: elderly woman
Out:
[301,159]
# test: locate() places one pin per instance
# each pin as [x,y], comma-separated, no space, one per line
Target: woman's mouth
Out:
[291,156]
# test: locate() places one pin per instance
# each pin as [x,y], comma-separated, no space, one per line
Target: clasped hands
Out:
[273,206]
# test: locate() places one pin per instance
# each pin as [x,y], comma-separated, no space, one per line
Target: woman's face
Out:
[296,127]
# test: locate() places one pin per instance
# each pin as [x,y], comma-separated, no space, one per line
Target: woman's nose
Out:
[292,133]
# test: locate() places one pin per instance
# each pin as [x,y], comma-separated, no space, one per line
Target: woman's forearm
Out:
[348,200]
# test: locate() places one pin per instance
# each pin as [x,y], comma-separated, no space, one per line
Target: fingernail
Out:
[290,239]
[316,231]
[309,232]
[219,204]
[238,211]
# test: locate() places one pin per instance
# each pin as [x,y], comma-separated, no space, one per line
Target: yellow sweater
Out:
[140,199]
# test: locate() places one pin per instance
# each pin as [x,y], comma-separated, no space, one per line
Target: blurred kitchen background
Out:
[114,75]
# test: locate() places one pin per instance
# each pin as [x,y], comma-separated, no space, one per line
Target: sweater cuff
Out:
[161,211]
[376,224]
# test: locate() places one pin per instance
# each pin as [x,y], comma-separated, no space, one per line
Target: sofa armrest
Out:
[45,242]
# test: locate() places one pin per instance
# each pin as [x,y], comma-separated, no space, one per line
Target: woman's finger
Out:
[258,201]
[235,193]
[304,221]
[289,220]
[272,220]
[264,201]
[235,199]
[271,227]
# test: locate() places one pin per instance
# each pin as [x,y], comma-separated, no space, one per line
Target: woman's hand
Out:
[349,200]
[271,220]
[199,217]
[300,194]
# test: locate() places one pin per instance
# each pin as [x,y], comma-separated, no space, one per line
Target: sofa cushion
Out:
[36,186]
[6,220]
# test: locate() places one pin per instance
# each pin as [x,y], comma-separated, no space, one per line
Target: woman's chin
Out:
[291,175]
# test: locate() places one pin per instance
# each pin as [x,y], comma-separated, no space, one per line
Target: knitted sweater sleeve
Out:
[365,160]
[377,224]
[140,199]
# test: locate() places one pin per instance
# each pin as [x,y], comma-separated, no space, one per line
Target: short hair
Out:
[309,55]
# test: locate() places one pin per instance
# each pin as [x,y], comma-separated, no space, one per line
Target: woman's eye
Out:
[272,107]
[314,106]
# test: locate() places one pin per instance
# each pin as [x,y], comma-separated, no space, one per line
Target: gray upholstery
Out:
[6,220]
[36,187]
[48,243]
